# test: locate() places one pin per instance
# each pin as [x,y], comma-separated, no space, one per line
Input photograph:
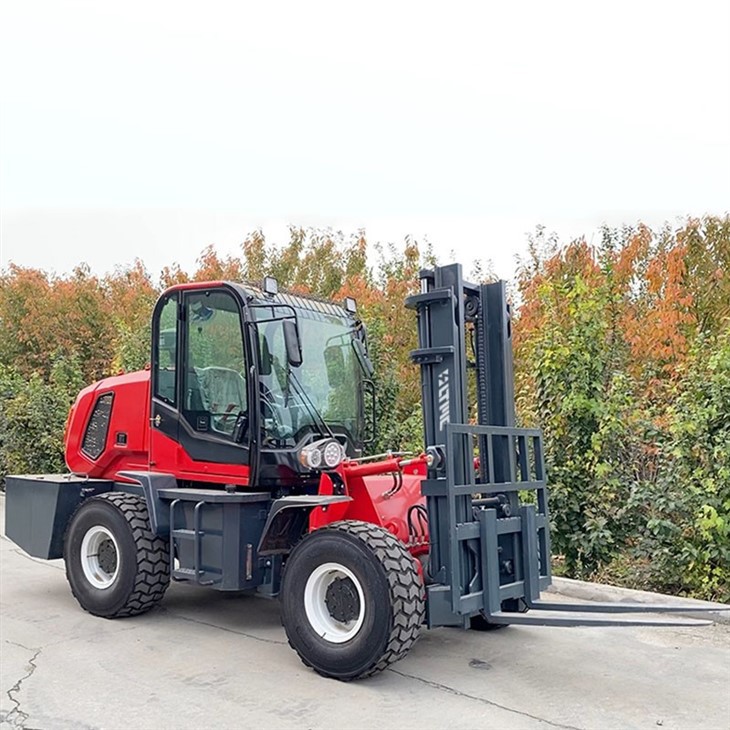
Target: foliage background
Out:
[622,357]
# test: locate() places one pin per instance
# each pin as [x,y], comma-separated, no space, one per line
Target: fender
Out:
[288,519]
[151,483]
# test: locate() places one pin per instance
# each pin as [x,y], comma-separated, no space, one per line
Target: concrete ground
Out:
[203,659]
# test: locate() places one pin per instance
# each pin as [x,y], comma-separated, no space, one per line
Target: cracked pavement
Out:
[16,717]
[206,659]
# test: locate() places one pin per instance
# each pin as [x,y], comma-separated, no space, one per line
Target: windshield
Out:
[323,394]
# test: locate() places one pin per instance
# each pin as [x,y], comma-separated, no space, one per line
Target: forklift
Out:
[237,461]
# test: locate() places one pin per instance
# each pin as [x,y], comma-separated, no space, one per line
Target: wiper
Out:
[324,429]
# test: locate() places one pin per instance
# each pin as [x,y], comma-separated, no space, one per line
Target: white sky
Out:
[153,128]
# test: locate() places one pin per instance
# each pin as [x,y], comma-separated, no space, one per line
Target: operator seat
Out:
[224,392]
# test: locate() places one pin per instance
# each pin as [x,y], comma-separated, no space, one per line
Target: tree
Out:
[613,348]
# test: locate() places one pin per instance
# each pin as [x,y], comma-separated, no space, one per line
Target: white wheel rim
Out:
[315,606]
[96,571]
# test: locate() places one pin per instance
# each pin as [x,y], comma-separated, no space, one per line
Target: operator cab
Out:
[265,387]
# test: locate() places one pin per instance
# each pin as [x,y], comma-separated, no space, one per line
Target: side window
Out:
[215,373]
[166,354]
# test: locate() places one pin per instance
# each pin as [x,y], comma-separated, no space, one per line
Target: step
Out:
[187,534]
[189,573]
[184,573]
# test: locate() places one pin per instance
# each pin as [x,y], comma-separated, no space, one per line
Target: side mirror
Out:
[292,342]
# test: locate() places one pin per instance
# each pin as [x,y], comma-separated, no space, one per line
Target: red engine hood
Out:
[127,437]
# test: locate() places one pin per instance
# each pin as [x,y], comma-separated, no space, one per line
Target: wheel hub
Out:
[107,556]
[99,557]
[334,602]
[342,600]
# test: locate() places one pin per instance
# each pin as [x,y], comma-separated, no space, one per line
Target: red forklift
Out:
[237,461]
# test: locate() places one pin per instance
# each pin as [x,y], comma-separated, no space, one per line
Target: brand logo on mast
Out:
[443,399]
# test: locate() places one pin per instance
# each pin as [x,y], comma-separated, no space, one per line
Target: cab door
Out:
[164,416]
[199,392]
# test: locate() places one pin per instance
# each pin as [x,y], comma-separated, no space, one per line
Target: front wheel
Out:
[351,600]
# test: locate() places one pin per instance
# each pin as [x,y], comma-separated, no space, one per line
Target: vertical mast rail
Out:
[448,308]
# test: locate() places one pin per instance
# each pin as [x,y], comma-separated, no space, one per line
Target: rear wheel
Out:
[351,599]
[115,564]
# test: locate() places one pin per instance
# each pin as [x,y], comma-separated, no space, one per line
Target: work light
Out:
[323,454]
[332,454]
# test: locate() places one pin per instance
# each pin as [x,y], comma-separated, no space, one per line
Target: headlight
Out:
[323,454]
[332,454]
[311,457]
